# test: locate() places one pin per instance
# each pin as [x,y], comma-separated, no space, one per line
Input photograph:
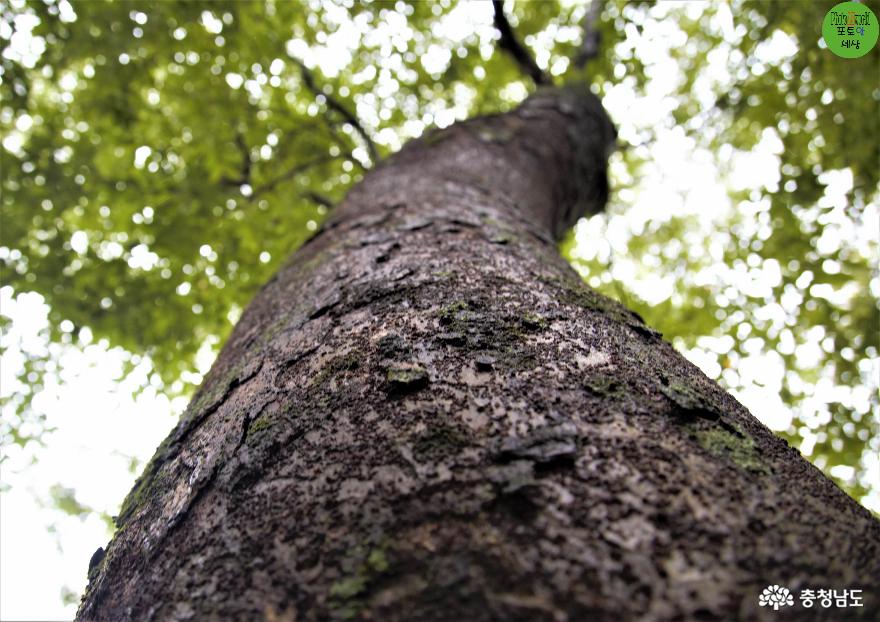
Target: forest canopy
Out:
[161,160]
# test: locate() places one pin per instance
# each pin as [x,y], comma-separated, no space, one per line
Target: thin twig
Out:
[320,199]
[592,35]
[291,173]
[343,143]
[512,46]
[335,104]
[246,164]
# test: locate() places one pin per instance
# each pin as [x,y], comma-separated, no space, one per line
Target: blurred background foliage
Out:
[161,159]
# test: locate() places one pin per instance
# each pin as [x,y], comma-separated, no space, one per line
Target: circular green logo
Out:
[850,29]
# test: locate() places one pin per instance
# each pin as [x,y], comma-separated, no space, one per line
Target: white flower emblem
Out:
[776,596]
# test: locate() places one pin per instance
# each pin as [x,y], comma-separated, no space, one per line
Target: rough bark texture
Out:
[426,415]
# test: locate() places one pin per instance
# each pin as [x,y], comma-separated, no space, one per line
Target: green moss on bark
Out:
[151,481]
[735,446]
[348,594]
[406,378]
[341,364]
[438,441]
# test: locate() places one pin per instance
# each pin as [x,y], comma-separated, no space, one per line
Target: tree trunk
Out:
[426,415]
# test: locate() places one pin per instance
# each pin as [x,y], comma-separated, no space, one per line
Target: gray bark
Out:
[426,415]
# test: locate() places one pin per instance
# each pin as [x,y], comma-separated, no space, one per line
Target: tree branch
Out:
[246,164]
[344,144]
[509,43]
[336,105]
[291,173]
[320,199]
[592,36]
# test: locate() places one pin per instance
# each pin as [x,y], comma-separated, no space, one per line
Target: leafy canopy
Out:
[160,159]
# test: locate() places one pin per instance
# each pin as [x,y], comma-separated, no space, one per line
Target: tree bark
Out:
[426,415]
